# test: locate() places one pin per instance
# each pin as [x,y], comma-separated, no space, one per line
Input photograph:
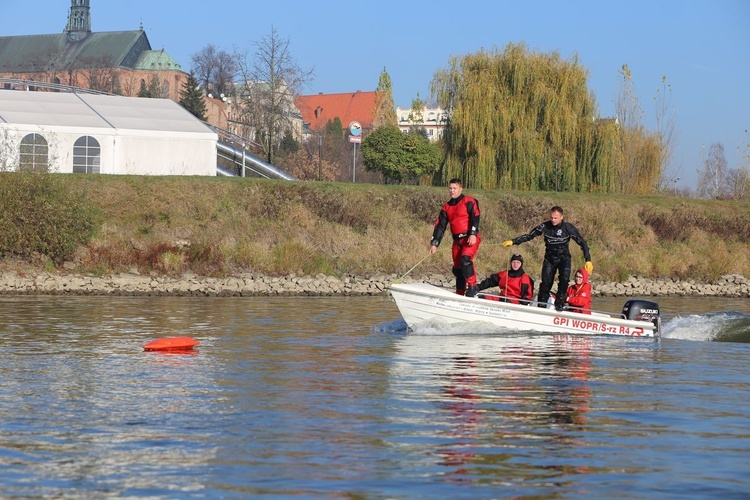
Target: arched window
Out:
[34,153]
[86,155]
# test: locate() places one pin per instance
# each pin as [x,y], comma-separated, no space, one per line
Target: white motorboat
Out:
[425,305]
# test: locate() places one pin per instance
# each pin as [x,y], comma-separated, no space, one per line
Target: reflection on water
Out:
[503,400]
[324,397]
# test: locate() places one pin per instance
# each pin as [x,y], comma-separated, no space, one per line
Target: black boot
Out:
[562,289]
[471,291]
[460,281]
[559,304]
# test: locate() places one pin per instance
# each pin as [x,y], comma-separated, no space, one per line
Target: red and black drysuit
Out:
[556,257]
[513,285]
[462,214]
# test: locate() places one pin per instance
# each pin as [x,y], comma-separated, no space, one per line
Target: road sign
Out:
[355,128]
[355,138]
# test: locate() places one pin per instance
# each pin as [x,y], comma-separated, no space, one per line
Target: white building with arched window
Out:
[101,134]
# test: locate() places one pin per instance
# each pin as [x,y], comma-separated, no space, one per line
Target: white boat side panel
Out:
[424,304]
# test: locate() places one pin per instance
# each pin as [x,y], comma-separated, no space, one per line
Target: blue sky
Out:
[702,47]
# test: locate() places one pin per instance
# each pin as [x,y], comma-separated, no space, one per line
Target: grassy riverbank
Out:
[221,226]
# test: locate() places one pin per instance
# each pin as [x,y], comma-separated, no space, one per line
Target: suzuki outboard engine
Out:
[643,310]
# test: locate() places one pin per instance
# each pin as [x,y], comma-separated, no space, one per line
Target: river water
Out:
[333,398]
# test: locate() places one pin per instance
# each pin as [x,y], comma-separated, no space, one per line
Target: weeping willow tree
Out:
[520,120]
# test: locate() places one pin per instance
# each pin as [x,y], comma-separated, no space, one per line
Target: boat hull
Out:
[424,305]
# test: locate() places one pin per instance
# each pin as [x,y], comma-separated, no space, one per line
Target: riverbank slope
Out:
[176,229]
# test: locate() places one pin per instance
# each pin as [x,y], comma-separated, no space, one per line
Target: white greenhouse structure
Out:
[103,134]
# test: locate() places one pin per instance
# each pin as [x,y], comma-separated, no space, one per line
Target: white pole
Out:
[354,162]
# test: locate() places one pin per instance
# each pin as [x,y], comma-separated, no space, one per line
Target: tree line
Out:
[523,120]
[516,119]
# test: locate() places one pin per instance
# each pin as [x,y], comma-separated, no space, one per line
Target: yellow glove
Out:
[507,244]
[589,267]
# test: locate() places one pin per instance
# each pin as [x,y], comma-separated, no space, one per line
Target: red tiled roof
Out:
[353,106]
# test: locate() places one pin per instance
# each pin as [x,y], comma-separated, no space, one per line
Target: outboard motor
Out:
[643,310]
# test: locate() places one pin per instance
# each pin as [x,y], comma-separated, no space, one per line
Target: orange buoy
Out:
[171,344]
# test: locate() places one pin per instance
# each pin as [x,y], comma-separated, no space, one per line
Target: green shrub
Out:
[38,215]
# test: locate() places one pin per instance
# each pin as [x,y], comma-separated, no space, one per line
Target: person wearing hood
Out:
[578,297]
[514,283]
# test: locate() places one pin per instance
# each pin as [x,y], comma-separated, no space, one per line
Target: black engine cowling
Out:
[642,310]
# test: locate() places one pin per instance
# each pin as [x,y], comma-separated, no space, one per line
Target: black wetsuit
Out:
[556,257]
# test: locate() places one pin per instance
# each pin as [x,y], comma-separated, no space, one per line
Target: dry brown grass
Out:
[220,226]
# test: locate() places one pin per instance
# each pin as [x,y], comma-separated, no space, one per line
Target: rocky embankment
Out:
[247,285]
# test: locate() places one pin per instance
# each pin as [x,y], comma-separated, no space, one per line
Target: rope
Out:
[410,270]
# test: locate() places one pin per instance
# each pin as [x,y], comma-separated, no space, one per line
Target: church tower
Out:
[79,20]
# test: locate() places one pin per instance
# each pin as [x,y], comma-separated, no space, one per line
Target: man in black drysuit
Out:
[557,235]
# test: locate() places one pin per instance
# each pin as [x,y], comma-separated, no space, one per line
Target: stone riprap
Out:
[246,285]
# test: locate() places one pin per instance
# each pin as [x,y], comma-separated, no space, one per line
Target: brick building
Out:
[319,109]
[118,62]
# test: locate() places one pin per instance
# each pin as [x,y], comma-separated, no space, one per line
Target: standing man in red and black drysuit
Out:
[461,213]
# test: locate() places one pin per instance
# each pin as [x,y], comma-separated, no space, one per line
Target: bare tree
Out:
[101,74]
[745,151]
[640,152]
[130,82]
[738,179]
[8,153]
[215,70]
[629,116]
[306,165]
[738,183]
[48,63]
[154,89]
[713,181]
[667,131]
[270,82]
[203,65]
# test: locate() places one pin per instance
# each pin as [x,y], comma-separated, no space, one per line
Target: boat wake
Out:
[393,327]
[709,327]
[438,328]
